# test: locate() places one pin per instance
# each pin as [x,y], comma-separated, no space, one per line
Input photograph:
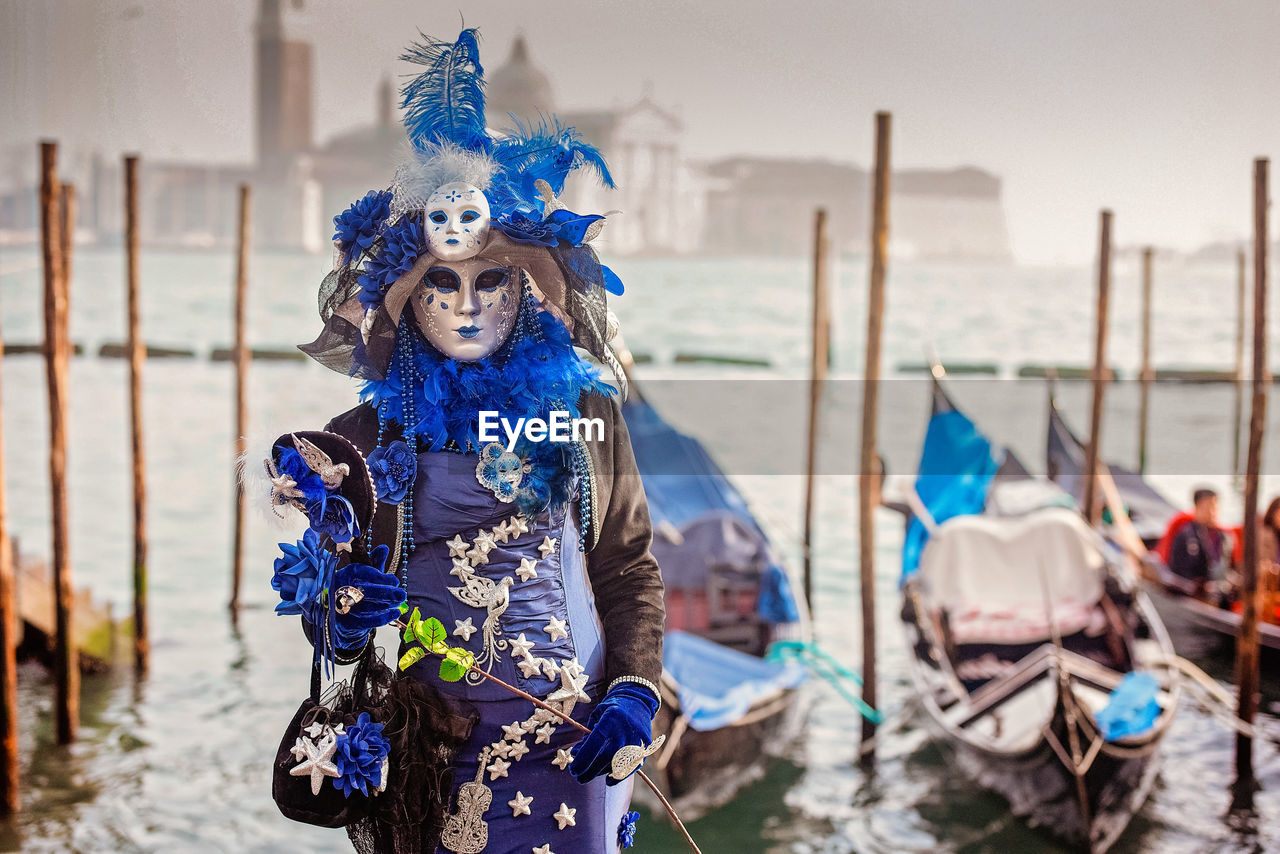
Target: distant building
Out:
[766,206]
[660,195]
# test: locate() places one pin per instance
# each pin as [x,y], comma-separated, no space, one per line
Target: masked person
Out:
[457,301]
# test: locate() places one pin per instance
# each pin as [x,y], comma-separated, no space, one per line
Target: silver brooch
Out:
[501,471]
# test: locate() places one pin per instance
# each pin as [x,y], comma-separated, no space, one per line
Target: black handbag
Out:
[293,794]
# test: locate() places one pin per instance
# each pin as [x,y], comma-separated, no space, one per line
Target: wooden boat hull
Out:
[1043,791]
[700,771]
[1198,628]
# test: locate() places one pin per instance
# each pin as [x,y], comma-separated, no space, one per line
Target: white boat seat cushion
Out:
[993,575]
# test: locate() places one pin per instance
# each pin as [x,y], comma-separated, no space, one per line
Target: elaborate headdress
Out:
[383,243]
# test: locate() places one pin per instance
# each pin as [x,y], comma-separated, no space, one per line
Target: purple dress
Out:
[514,591]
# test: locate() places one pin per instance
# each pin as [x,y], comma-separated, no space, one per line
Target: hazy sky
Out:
[1155,108]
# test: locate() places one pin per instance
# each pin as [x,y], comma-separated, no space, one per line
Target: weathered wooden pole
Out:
[1239,378]
[1145,375]
[821,335]
[1092,506]
[137,352]
[9,791]
[67,231]
[1247,676]
[242,368]
[66,668]
[870,402]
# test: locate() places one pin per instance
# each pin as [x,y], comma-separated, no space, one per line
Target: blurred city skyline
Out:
[1150,108]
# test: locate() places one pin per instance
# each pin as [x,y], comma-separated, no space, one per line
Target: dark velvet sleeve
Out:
[624,575]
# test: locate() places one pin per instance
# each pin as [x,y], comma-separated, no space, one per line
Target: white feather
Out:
[436,166]
[252,474]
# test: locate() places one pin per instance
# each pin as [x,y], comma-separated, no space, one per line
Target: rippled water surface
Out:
[180,760]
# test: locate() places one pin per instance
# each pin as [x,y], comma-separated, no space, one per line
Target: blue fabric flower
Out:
[523,228]
[627,829]
[380,605]
[357,226]
[393,469]
[333,515]
[310,483]
[301,575]
[402,244]
[359,757]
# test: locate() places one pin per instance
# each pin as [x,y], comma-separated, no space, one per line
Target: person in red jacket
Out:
[1196,547]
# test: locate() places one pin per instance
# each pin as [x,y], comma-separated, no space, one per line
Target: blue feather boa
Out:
[527,377]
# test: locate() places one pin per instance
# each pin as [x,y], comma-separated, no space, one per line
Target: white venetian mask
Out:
[467,309]
[456,221]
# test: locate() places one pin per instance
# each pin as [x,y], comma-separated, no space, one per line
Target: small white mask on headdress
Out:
[456,221]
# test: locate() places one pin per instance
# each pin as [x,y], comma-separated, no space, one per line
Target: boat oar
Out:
[464,662]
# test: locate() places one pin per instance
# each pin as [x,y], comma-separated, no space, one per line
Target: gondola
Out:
[1188,619]
[728,597]
[1028,635]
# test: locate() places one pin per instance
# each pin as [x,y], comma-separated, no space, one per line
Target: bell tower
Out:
[283,87]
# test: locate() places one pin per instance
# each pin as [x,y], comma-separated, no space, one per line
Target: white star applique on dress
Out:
[528,569]
[521,647]
[520,805]
[544,849]
[548,546]
[530,666]
[544,734]
[563,759]
[556,629]
[518,525]
[464,629]
[457,546]
[484,541]
[498,768]
[518,750]
[565,816]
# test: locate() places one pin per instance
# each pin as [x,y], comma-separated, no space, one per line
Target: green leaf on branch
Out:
[432,635]
[412,657]
[411,626]
[456,664]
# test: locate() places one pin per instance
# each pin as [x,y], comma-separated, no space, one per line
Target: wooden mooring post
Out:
[1239,372]
[1145,376]
[137,353]
[56,290]
[9,622]
[867,470]
[1092,502]
[242,368]
[821,335]
[1247,659]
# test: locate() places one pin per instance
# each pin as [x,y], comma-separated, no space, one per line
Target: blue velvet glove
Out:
[379,606]
[624,716]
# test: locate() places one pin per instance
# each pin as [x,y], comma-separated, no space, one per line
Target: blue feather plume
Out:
[445,103]
[548,151]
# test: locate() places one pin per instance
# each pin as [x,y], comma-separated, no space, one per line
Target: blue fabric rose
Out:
[571,227]
[357,226]
[333,515]
[523,228]
[627,829]
[402,244]
[359,757]
[301,575]
[393,469]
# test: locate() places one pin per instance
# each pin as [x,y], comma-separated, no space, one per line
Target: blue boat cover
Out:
[690,495]
[1132,708]
[957,465]
[716,685]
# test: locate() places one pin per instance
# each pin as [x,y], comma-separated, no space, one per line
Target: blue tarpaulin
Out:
[688,494]
[717,685]
[1132,708]
[956,468]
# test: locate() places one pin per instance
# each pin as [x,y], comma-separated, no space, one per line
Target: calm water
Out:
[180,761]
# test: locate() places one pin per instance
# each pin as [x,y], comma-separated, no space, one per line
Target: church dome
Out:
[518,88]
